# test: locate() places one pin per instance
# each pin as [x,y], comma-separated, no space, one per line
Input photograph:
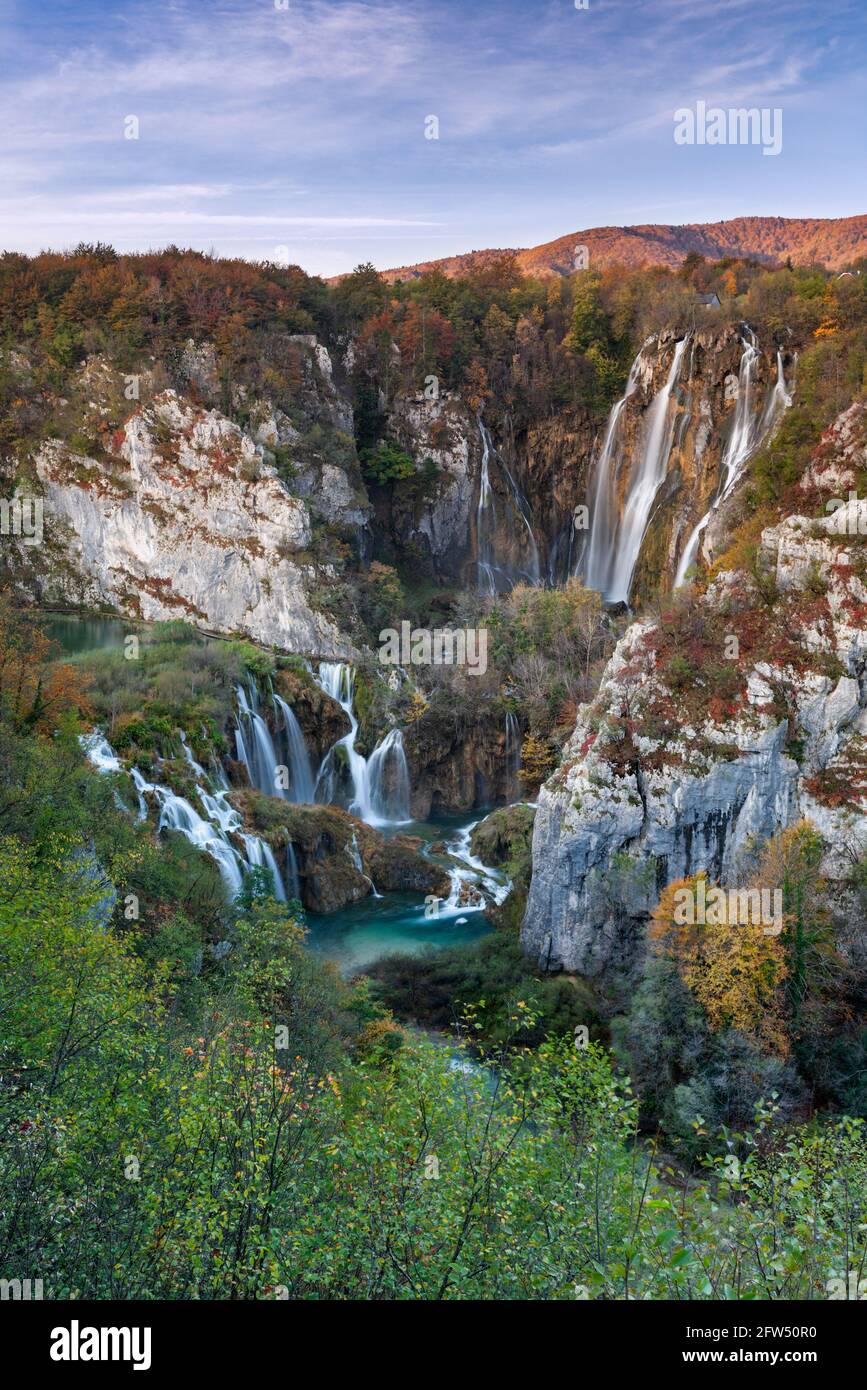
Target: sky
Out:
[296,130]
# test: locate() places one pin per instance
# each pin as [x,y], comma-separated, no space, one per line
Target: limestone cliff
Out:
[711,731]
[181,513]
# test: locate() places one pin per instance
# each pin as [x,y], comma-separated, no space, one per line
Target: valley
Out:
[399,656]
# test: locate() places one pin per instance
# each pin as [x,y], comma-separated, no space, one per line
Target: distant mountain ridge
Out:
[831,241]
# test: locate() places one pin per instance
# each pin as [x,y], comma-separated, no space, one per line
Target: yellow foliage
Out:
[734,969]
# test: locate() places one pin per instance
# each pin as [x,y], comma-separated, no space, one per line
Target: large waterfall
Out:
[613,552]
[507,556]
[375,789]
[595,563]
[747,434]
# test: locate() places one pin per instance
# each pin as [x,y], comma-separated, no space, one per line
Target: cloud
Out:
[312,118]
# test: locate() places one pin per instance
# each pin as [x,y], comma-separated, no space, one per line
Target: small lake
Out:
[396,923]
[77,634]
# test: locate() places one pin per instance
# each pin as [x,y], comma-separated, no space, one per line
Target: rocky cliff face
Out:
[713,731]
[433,517]
[436,518]
[455,767]
[182,514]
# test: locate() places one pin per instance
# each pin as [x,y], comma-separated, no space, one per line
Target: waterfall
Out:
[388,778]
[261,856]
[257,752]
[255,745]
[746,436]
[358,863]
[188,757]
[742,438]
[176,813]
[513,748]
[644,484]
[379,789]
[596,561]
[292,877]
[337,679]
[469,877]
[209,833]
[298,759]
[99,752]
[494,576]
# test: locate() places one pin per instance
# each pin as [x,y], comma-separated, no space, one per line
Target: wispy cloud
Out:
[310,121]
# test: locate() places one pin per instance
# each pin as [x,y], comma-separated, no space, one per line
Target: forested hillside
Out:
[329,977]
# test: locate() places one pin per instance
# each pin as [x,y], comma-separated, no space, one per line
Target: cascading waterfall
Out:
[261,856]
[292,877]
[211,834]
[746,436]
[469,876]
[379,788]
[388,778]
[257,751]
[298,759]
[337,679]
[495,576]
[100,753]
[255,745]
[643,486]
[513,747]
[596,560]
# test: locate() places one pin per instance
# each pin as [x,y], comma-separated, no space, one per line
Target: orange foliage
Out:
[36,690]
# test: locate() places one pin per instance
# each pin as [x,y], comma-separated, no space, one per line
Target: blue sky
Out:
[304,128]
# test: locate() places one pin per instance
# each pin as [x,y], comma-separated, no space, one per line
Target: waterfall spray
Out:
[498,575]
[746,437]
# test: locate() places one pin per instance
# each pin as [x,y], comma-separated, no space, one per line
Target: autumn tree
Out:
[736,970]
[35,689]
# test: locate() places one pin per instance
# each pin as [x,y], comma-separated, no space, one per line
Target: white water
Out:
[99,752]
[254,743]
[259,754]
[292,877]
[300,771]
[644,485]
[611,556]
[746,436]
[494,576]
[209,833]
[596,561]
[379,787]
[469,877]
[513,748]
[388,778]
[261,856]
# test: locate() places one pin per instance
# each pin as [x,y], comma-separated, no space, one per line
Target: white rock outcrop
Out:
[629,811]
[185,522]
